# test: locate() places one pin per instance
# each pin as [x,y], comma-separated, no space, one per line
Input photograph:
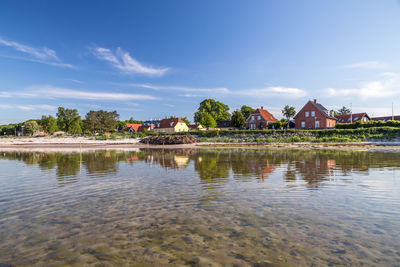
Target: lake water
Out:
[200,207]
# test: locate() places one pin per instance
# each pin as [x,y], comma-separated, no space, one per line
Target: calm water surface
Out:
[200,207]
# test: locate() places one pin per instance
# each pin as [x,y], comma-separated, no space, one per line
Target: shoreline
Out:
[84,144]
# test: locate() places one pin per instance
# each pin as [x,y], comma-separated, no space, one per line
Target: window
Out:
[307,114]
[316,124]
[252,118]
[258,117]
[312,113]
[303,124]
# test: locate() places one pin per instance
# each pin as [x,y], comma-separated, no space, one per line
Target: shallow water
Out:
[198,207]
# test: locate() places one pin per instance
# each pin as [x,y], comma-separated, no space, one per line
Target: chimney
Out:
[262,107]
[315,101]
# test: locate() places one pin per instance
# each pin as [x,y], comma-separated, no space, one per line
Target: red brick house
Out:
[314,116]
[259,119]
[350,118]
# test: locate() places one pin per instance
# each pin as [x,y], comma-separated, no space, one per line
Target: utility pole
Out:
[351,112]
[392,113]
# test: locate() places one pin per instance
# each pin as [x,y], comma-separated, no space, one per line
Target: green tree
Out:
[68,120]
[101,121]
[218,111]
[49,124]
[288,112]
[31,127]
[186,120]
[208,121]
[246,111]
[238,120]
[343,111]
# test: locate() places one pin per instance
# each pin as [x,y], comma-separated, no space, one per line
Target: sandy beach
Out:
[84,143]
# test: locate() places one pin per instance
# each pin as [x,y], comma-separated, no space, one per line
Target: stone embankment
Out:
[169,140]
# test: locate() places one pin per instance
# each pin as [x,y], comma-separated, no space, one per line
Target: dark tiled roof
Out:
[169,123]
[386,118]
[323,110]
[347,118]
[224,123]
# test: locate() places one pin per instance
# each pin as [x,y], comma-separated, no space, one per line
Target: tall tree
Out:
[49,124]
[207,121]
[31,127]
[101,121]
[68,120]
[288,112]
[344,111]
[246,111]
[238,120]
[218,111]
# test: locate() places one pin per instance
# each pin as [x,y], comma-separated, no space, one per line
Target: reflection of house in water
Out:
[266,171]
[181,161]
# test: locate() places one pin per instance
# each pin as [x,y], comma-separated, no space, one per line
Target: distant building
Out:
[193,127]
[171,125]
[151,123]
[314,116]
[350,118]
[132,127]
[259,119]
[386,118]
[224,125]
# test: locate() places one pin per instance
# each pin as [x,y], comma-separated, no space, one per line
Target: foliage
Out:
[218,111]
[238,120]
[101,121]
[186,120]
[68,120]
[370,124]
[49,124]
[288,112]
[207,121]
[31,127]
[131,120]
[246,111]
[343,111]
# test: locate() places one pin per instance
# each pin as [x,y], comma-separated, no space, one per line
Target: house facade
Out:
[259,119]
[171,125]
[350,118]
[314,116]
[224,125]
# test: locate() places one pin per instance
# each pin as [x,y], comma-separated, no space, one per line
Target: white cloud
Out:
[367,65]
[51,92]
[387,86]
[28,107]
[218,90]
[124,62]
[41,55]
[274,91]
[56,92]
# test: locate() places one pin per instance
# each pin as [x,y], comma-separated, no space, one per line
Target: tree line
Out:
[209,113]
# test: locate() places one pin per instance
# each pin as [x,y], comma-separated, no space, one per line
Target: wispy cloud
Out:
[274,91]
[387,86]
[51,92]
[41,55]
[125,63]
[217,90]
[367,65]
[29,107]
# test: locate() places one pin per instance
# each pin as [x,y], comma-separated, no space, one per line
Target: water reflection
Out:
[229,207]
[214,167]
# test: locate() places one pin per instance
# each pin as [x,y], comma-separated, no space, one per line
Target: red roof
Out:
[169,123]
[266,115]
[347,118]
[135,126]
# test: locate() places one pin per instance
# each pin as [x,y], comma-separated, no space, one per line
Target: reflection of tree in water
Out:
[214,167]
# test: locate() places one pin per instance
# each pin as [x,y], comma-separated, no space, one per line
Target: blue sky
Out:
[151,59]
